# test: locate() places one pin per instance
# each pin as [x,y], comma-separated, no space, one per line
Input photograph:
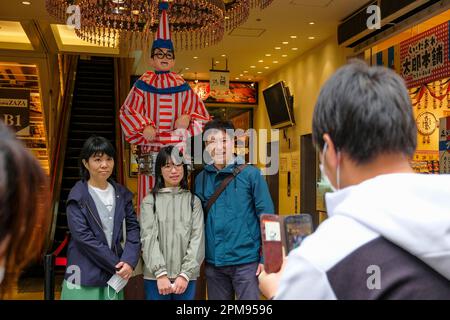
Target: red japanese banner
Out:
[425,57]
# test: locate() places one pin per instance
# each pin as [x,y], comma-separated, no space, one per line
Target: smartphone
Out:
[296,229]
[272,244]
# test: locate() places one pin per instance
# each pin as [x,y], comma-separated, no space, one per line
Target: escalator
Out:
[92,113]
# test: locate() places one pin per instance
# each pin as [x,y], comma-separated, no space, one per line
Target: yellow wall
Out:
[304,77]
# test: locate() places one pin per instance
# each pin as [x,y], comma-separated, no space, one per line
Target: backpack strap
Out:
[222,187]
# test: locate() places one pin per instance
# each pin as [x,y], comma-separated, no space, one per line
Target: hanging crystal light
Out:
[130,24]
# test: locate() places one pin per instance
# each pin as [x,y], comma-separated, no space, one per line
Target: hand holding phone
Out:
[272,245]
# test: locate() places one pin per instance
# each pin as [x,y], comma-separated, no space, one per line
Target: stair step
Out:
[89,118]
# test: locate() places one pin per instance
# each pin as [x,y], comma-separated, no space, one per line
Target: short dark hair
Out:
[219,124]
[94,146]
[366,111]
[164,155]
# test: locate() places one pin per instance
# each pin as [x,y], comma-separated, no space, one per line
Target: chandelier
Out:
[131,24]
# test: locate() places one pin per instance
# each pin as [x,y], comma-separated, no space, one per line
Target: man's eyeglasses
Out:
[160,55]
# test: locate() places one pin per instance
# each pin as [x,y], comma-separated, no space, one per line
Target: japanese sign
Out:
[444,145]
[219,81]
[425,57]
[15,110]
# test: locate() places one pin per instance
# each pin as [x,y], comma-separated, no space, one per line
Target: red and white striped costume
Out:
[157,99]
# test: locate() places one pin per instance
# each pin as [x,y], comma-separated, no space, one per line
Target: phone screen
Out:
[297,228]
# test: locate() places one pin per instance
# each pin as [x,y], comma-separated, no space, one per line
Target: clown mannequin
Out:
[161,109]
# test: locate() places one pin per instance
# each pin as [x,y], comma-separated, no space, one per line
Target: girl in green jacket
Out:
[172,233]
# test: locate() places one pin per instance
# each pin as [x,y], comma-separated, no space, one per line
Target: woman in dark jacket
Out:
[97,210]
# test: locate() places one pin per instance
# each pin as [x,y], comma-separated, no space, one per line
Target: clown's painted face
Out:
[163,59]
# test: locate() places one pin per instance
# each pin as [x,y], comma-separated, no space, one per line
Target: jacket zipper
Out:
[93,216]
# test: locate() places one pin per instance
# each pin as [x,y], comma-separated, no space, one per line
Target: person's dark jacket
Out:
[88,250]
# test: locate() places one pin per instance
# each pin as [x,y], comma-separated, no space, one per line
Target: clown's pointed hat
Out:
[162,37]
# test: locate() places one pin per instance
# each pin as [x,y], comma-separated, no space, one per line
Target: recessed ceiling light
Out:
[260,61]
[285,42]
[253,67]
[237,78]
[187,68]
[275,62]
[27,3]
[245,71]
[277,48]
[268,55]
[293,37]
[266,67]
[259,72]
[224,55]
[227,17]
[284,55]
[311,23]
[241,75]
[182,74]
[135,12]
[217,61]
[294,49]
[195,57]
[311,38]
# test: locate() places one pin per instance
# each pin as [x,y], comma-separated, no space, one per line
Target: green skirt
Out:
[69,292]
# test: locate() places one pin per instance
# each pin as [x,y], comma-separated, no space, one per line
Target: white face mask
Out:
[2,274]
[324,175]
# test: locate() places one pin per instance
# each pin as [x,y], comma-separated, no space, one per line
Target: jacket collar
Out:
[80,194]
[172,190]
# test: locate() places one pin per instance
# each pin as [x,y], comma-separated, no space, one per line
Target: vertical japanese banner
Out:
[425,58]
[15,110]
[444,145]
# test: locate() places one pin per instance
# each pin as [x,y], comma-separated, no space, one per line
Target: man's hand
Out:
[149,133]
[124,270]
[260,269]
[183,122]
[164,285]
[180,285]
[269,282]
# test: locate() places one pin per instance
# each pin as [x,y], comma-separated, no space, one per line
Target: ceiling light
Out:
[275,62]
[277,48]
[311,38]
[268,55]
[241,75]
[187,68]
[237,78]
[259,72]
[195,57]
[294,49]
[285,42]
[266,67]
[135,12]
[260,61]
[311,23]
[293,37]
[224,55]
[217,61]
[284,55]
[27,3]
[253,67]
[245,71]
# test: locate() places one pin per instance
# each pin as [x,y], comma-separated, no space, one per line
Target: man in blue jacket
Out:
[233,238]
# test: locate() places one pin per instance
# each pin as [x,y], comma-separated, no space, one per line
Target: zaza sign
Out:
[15,110]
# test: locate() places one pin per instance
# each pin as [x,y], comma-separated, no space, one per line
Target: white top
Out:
[106,195]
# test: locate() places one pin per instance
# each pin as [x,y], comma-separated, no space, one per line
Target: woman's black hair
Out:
[164,156]
[94,146]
